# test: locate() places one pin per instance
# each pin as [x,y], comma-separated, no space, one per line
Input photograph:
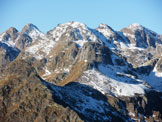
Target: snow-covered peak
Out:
[32,31]
[10,33]
[77,32]
[74,24]
[136,26]
[9,36]
[30,27]
[141,36]
[107,31]
[104,26]
[63,27]
[12,30]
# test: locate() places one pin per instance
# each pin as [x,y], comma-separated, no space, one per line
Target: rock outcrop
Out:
[23,97]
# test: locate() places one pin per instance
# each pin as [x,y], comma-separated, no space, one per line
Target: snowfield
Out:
[108,81]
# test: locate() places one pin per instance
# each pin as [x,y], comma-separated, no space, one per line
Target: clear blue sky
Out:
[46,14]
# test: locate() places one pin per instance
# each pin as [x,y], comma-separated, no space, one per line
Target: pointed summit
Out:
[12,30]
[9,34]
[71,30]
[75,24]
[28,28]
[105,26]
[69,24]
[107,31]
[32,31]
[141,36]
[136,26]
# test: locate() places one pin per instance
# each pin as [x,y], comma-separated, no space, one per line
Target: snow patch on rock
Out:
[107,81]
[42,48]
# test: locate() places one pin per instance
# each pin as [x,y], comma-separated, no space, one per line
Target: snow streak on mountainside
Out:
[41,48]
[111,82]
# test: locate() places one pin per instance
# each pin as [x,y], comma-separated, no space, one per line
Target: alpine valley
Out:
[74,73]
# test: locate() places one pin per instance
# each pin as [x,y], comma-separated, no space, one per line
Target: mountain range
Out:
[76,73]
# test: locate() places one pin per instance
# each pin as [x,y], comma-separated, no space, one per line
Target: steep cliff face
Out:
[140,108]
[159,65]
[141,36]
[7,54]
[23,41]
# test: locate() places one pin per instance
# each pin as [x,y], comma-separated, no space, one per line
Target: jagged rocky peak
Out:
[75,24]
[14,38]
[139,27]
[135,26]
[130,30]
[9,34]
[71,24]
[32,31]
[27,36]
[29,27]
[106,30]
[105,26]
[61,28]
[140,36]
[72,31]
[7,50]
[110,34]
[12,30]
